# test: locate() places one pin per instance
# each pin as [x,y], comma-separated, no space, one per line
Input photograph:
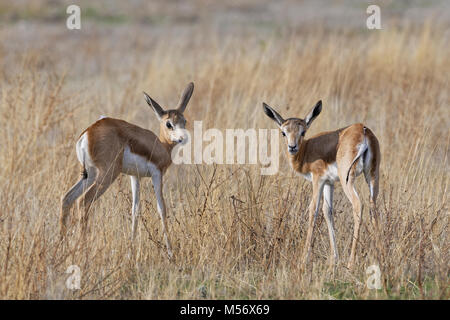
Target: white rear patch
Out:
[368,157]
[359,166]
[136,165]
[82,148]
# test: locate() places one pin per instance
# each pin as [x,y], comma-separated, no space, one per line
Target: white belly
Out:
[331,174]
[136,165]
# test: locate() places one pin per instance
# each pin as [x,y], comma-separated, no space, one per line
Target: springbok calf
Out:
[326,157]
[111,146]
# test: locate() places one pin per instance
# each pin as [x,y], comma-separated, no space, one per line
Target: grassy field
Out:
[55,82]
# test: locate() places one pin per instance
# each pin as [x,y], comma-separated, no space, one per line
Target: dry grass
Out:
[395,81]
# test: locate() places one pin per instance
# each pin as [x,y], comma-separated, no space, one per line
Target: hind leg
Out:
[372,181]
[352,195]
[104,179]
[71,196]
[371,173]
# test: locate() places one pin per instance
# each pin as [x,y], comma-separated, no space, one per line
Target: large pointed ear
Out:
[313,113]
[155,106]
[185,97]
[272,114]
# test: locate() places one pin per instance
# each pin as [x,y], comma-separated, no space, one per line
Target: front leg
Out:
[135,190]
[313,211]
[158,186]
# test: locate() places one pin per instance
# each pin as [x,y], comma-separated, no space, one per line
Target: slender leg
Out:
[313,211]
[372,181]
[158,186]
[328,214]
[372,174]
[135,188]
[351,194]
[73,194]
[104,179]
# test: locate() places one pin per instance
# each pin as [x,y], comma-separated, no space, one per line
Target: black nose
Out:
[291,148]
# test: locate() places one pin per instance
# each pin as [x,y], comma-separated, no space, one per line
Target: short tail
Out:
[84,173]
[363,148]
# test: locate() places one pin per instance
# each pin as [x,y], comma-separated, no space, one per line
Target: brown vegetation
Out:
[235,233]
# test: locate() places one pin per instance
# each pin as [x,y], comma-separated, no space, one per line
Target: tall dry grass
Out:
[236,234]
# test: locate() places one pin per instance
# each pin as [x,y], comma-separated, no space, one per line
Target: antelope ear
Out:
[185,97]
[272,114]
[155,106]
[313,113]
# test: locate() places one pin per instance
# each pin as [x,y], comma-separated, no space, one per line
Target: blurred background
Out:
[55,82]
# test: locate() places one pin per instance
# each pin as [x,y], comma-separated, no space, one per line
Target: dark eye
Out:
[283,134]
[303,134]
[169,125]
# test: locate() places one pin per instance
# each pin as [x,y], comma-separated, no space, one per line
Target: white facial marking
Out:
[292,139]
[178,134]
